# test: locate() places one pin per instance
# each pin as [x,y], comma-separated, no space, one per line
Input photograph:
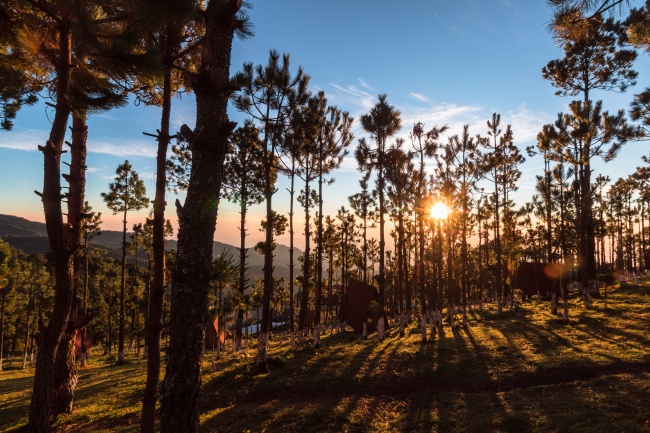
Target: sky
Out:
[440,62]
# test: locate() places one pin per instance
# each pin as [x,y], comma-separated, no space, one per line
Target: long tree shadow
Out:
[331,381]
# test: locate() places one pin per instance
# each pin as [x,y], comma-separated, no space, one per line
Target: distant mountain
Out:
[16,226]
[31,238]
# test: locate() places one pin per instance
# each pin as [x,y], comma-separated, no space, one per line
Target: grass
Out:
[518,372]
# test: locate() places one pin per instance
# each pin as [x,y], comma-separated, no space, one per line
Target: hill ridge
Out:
[31,237]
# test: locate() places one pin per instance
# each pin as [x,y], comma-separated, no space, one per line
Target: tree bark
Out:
[197,221]
[318,301]
[382,241]
[157,290]
[84,349]
[120,335]
[239,321]
[291,264]
[303,318]
[27,325]
[2,325]
[62,254]
[65,375]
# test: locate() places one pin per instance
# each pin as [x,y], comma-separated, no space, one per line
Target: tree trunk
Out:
[2,326]
[197,221]
[318,299]
[421,281]
[27,327]
[382,242]
[157,290]
[588,245]
[450,279]
[303,318]
[50,336]
[497,239]
[84,355]
[120,335]
[262,335]
[65,375]
[291,264]
[239,320]
[109,322]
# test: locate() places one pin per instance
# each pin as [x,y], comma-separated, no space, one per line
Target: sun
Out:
[439,211]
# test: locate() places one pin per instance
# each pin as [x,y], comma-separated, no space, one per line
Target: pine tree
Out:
[269,95]
[593,60]
[332,139]
[127,193]
[463,153]
[421,149]
[363,203]
[244,184]
[382,122]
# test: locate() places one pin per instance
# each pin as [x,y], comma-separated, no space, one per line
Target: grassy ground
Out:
[518,372]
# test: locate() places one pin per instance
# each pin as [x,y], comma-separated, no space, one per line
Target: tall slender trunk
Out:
[65,375]
[120,336]
[365,245]
[109,321]
[27,326]
[464,257]
[318,300]
[330,285]
[157,290]
[291,232]
[84,349]
[421,280]
[2,325]
[303,318]
[62,253]
[480,263]
[262,335]
[549,227]
[439,284]
[382,241]
[399,257]
[644,265]
[239,320]
[588,242]
[451,299]
[497,239]
[197,220]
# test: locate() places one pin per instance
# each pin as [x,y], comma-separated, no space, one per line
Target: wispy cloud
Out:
[526,123]
[123,148]
[359,101]
[366,85]
[30,139]
[418,96]
[451,114]
[26,139]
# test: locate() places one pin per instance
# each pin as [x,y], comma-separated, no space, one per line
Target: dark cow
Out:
[539,278]
[359,297]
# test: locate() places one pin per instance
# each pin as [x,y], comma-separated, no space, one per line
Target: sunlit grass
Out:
[518,372]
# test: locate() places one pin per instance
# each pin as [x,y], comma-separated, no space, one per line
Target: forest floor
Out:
[522,371]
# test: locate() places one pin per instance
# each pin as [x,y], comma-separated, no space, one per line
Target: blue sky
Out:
[440,62]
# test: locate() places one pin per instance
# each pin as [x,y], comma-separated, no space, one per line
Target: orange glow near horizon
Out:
[440,211]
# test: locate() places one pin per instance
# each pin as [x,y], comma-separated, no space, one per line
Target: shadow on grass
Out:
[518,372]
